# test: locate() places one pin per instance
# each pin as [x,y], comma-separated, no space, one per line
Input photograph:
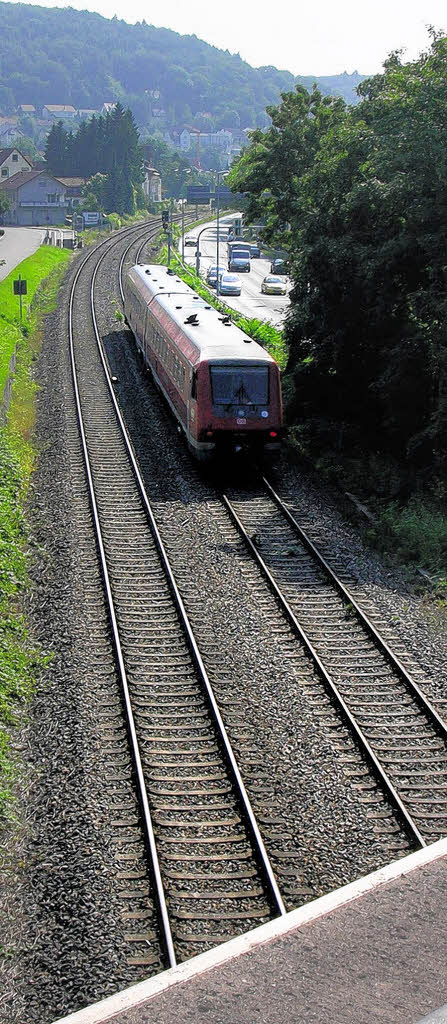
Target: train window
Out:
[239,385]
[194,384]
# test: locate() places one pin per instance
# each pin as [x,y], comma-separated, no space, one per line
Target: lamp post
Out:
[219,174]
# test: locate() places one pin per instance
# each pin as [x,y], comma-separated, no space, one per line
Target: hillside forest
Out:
[358,197]
[80,58]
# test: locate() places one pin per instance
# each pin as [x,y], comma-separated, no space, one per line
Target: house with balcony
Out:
[35,198]
[12,161]
[73,189]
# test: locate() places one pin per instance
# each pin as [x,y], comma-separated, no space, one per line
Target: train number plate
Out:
[240,422]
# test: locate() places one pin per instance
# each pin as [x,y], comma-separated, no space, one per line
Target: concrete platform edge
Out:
[109,1008]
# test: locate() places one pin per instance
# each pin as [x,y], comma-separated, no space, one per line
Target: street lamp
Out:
[219,174]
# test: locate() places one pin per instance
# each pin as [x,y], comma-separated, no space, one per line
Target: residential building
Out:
[152,183]
[36,198]
[73,189]
[26,110]
[12,161]
[85,114]
[9,131]
[58,111]
[107,108]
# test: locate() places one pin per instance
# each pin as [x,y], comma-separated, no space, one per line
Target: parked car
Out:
[273,285]
[229,284]
[191,241]
[211,275]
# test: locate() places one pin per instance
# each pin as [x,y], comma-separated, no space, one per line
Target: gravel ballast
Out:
[60,910]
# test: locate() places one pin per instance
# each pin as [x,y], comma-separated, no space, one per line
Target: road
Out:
[16,244]
[251,302]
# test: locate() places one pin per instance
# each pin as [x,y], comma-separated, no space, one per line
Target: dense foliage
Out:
[77,57]
[359,198]
[106,147]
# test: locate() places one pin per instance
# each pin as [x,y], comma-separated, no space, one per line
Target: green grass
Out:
[19,661]
[34,269]
[9,339]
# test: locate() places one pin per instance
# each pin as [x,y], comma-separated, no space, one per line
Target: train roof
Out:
[213,338]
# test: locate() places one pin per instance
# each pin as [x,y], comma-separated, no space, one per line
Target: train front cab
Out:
[235,410]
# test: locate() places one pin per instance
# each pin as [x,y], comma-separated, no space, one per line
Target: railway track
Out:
[400,733]
[209,864]
[209,874]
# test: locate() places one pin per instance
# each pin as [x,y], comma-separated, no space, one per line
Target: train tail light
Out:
[273,433]
[209,433]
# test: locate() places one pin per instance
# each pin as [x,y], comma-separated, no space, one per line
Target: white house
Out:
[36,197]
[9,132]
[58,111]
[12,161]
[152,183]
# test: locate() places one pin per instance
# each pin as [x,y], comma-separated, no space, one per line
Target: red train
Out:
[223,388]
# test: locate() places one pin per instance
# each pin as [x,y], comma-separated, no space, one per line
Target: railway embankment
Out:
[20,340]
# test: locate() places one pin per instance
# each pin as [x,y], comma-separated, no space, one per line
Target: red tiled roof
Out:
[60,106]
[22,177]
[72,182]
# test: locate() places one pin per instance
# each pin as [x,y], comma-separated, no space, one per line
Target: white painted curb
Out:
[134,996]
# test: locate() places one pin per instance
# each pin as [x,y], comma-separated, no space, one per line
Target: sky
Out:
[323,37]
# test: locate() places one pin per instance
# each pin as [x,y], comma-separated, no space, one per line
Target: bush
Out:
[420,531]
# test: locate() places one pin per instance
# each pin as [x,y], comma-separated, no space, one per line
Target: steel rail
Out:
[248,813]
[176,218]
[327,679]
[345,593]
[147,819]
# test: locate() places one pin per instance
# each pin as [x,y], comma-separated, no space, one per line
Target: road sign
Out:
[90,217]
[223,191]
[20,289]
[198,194]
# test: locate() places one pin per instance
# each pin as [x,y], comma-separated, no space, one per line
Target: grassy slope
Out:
[33,270]
[18,661]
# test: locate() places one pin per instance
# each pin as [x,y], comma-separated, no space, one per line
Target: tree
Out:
[56,149]
[364,190]
[4,203]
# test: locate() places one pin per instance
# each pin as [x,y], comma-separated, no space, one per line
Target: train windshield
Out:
[240,385]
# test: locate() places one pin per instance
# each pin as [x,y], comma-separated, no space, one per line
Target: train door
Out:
[192,405]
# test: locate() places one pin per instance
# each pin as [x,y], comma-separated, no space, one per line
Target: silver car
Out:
[229,284]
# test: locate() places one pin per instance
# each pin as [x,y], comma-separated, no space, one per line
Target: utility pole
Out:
[171,209]
[219,173]
[183,231]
